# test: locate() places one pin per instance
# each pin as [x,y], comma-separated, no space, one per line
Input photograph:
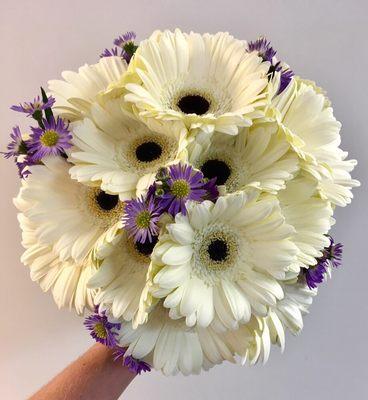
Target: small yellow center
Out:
[49,138]
[143,219]
[100,330]
[180,188]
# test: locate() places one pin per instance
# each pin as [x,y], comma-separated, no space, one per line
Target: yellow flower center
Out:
[143,219]
[49,138]
[180,188]
[100,330]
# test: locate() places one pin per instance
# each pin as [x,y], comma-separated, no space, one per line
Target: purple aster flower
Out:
[101,329]
[37,106]
[114,52]
[332,256]
[212,190]
[263,47]
[151,192]
[126,43]
[17,145]
[53,139]
[134,365]
[18,148]
[125,47]
[333,253]
[267,53]
[315,274]
[183,184]
[286,75]
[141,218]
[285,78]
[125,38]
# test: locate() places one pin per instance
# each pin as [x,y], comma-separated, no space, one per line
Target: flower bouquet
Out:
[179,194]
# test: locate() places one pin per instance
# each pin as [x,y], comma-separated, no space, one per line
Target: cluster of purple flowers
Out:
[50,138]
[174,186]
[106,332]
[125,47]
[332,256]
[267,53]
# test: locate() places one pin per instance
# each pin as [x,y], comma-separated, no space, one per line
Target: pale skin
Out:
[93,376]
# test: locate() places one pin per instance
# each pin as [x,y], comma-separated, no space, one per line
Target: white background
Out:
[322,40]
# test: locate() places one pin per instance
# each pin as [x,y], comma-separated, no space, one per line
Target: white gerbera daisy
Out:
[252,341]
[307,119]
[170,346]
[164,342]
[67,215]
[206,81]
[310,216]
[296,302]
[67,280]
[334,179]
[121,275]
[75,94]
[258,156]
[121,154]
[223,260]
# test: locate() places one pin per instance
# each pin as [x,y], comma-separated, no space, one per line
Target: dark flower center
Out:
[193,104]
[146,248]
[216,169]
[218,250]
[148,151]
[107,201]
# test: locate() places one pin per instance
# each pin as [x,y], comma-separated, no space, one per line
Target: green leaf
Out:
[130,48]
[48,112]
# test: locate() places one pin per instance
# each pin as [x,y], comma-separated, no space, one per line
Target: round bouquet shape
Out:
[179,195]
